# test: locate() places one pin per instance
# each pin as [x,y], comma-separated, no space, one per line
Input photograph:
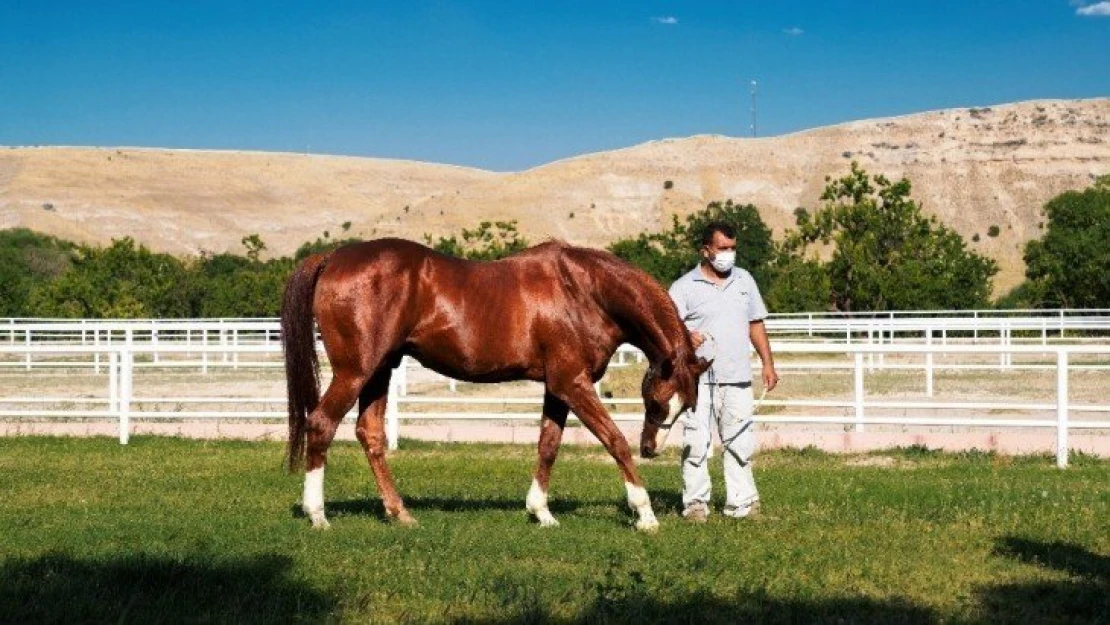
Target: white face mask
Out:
[724,261]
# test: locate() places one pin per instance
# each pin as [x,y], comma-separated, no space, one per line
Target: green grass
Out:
[176,530]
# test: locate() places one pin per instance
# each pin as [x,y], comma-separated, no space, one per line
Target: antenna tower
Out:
[753,91]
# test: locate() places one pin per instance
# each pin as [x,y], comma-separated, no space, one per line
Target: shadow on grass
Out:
[59,588]
[1083,599]
[643,609]
[374,507]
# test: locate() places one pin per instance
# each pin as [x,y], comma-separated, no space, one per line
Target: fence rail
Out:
[119,360]
[1058,322]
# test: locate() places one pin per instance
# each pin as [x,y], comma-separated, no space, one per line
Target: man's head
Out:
[718,247]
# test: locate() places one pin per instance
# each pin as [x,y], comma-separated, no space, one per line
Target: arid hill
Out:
[973,168]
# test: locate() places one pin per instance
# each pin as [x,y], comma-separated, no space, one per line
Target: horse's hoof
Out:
[547,520]
[320,523]
[647,526]
[404,519]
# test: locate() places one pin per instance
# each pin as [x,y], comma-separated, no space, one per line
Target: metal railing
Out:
[1003,328]
[119,403]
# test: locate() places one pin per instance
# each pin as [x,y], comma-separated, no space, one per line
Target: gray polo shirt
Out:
[724,312]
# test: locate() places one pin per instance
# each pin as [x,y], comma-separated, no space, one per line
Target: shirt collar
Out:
[698,276]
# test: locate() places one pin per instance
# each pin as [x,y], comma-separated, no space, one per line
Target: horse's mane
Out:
[629,295]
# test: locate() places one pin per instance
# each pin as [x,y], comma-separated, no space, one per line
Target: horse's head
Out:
[670,386]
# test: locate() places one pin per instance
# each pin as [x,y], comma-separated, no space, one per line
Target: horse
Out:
[553,313]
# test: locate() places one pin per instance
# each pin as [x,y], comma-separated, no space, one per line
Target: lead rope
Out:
[667,427]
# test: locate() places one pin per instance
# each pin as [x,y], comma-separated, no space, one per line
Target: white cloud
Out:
[668,20]
[794,31]
[1098,9]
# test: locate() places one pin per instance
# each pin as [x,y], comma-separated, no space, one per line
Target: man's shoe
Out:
[742,512]
[696,512]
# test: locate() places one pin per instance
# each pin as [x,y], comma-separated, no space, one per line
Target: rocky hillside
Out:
[974,168]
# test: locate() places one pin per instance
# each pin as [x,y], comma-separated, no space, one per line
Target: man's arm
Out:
[763,348]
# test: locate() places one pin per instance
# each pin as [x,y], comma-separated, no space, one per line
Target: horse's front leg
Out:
[583,400]
[551,434]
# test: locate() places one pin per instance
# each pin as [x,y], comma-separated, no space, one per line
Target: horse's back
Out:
[375,255]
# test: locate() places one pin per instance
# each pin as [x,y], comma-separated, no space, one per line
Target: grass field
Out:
[177,530]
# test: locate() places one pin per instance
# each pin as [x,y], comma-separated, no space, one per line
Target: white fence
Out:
[120,359]
[1028,325]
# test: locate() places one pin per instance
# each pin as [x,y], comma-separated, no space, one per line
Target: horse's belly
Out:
[475,370]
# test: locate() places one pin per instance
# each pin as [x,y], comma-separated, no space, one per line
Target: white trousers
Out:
[728,408]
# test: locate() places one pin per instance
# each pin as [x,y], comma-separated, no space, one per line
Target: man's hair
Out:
[716,226]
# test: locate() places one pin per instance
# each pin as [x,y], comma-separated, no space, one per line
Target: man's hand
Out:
[697,338]
[770,377]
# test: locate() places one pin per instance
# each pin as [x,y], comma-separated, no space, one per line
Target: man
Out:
[722,307]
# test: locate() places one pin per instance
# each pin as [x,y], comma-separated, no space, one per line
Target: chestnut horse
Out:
[553,313]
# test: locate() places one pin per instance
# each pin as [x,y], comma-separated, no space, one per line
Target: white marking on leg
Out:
[639,501]
[313,500]
[536,503]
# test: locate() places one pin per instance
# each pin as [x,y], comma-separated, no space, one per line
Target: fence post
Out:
[392,416]
[929,363]
[113,383]
[859,391]
[154,339]
[402,376]
[127,370]
[870,355]
[1062,409]
[27,342]
[1001,343]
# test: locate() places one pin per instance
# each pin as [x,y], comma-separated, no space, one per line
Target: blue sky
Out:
[511,85]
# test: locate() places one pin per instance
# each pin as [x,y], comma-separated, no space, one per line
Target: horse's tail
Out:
[298,341]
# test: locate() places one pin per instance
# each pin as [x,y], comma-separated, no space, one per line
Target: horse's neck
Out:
[651,327]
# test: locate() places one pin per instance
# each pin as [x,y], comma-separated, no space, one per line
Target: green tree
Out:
[489,241]
[797,283]
[254,291]
[234,286]
[255,246]
[669,254]
[123,280]
[887,255]
[321,245]
[1070,265]
[28,259]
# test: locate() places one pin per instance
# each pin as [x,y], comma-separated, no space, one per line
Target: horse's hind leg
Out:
[551,434]
[371,433]
[321,425]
